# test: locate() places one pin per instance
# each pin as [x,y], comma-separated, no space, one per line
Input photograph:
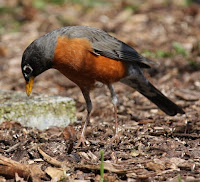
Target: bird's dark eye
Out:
[27,69]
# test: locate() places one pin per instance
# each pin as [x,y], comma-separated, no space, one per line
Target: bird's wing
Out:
[106,45]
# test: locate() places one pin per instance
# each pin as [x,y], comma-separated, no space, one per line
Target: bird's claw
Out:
[115,139]
[82,141]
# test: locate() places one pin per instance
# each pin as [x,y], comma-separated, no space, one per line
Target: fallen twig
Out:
[50,159]
[15,146]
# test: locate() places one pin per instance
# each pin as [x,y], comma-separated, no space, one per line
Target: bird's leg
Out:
[86,95]
[114,102]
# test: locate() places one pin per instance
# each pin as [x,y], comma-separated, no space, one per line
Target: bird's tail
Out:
[142,85]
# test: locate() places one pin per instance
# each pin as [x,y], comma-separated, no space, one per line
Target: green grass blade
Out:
[102,166]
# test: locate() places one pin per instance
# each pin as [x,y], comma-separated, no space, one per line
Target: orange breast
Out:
[74,58]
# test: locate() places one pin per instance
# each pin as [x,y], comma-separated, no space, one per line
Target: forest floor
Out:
[152,146]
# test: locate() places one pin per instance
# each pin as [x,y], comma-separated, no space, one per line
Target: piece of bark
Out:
[9,167]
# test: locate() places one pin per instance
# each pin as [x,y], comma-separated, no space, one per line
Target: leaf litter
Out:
[153,146]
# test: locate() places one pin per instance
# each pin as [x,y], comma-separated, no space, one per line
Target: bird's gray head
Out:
[37,58]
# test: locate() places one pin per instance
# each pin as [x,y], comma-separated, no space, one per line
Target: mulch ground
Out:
[152,146]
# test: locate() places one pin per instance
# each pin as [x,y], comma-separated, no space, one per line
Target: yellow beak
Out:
[29,86]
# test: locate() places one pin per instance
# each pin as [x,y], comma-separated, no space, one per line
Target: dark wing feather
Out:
[106,45]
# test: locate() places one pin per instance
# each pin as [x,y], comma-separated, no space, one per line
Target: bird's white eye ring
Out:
[27,69]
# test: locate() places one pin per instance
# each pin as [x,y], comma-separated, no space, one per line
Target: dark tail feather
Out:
[165,104]
[154,95]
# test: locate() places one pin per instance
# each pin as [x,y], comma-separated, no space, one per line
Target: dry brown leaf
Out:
[135,153]
[9,125]
[3,51]
[56,173]
[155,166]
[69,133]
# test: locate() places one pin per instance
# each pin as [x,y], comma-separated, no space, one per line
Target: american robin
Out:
[86,55]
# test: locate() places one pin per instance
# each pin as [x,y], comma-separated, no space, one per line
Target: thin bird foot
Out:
[115,139]
[82,141]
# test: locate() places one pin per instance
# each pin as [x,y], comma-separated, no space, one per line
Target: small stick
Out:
[49,159]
